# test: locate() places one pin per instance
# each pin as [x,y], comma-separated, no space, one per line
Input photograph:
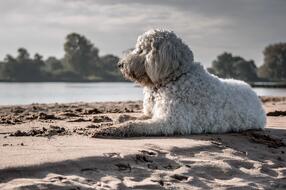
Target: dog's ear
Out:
[168,58]
[163,60]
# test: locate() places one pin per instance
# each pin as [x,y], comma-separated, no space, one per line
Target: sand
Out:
[50,146]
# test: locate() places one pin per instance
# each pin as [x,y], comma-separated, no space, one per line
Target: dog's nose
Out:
[120,64]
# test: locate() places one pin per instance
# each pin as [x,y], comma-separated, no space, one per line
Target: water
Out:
[27,93]
[270,91]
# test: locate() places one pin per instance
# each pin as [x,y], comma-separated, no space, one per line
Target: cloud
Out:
[209,27]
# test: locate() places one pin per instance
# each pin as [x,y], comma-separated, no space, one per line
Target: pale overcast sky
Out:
[209,27]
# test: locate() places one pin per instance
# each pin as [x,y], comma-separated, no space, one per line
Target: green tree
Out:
[38,61]
[9,67]
[23,55]
[53,64]
[245,70]
[108,70]
[228,66]
[80,54]
[23,68]
[274,66]
[223,65]
[2,77]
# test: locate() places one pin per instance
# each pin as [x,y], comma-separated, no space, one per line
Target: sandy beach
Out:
[51,146]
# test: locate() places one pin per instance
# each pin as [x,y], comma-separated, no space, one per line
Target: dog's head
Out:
[159,56]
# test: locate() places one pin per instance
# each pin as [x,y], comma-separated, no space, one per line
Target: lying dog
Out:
[180,96]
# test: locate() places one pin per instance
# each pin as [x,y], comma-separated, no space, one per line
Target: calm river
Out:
[27,93]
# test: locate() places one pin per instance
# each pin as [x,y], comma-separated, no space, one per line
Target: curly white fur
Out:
[180,96]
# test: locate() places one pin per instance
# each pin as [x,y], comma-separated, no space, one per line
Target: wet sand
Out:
[51,146]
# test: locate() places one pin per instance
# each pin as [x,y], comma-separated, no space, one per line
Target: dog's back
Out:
[203,103]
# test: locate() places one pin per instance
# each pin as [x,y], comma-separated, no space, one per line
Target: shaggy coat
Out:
[180,96]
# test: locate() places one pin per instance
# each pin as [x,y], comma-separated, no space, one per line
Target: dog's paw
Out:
[113,131]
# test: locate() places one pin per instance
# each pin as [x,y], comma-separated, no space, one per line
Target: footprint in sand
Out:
[123,167]
[101,118]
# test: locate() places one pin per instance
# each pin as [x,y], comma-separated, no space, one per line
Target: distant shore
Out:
[252,84]
[52,146]
[268,84]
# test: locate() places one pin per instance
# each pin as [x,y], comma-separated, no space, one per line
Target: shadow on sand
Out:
[250,160]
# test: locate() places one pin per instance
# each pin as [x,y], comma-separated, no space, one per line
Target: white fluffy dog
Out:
[181,97]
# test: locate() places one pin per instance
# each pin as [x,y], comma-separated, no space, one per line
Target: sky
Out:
[209,27]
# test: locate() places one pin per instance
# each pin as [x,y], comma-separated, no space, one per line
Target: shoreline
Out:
[51,146]
[252,84]
[267,84]
[263,99]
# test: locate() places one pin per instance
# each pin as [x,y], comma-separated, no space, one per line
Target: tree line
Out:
[273,68]
[81,62]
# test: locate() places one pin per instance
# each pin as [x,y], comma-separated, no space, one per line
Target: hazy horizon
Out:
[209,27]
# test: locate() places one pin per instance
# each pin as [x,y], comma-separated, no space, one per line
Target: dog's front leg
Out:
[134,129]
[148,102]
